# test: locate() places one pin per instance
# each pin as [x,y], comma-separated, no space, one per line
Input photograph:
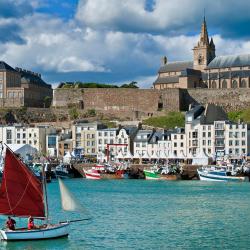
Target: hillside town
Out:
[207,133]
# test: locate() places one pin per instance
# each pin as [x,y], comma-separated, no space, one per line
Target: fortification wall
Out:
[133,103]
[229,99]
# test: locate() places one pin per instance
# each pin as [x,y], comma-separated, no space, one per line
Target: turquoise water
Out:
[139,214]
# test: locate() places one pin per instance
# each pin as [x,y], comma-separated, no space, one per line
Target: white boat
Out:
[92,174]
[28,197]
[219,174]
[48,232]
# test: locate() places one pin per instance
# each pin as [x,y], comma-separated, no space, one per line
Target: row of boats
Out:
[166,172]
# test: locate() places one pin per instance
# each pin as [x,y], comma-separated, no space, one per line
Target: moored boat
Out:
[163,173]
[219,174]
[92,174]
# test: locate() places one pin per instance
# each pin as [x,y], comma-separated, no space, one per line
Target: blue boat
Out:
[219,174]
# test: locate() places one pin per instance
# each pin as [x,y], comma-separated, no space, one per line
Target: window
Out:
[230,134]
[204,134]
[88,143]
[18,136]
[209,134]
[182,144]
[234,84]
[88,136]
[230,143]
[243,83]
[209,142]
[175,144]
[105,133]
[175,137]
[243,134]
[9,134]
[237,143]
[224,84]
[243,143]
[182,137]
[214,84]
[100,133]
[93,143]
[203,142]
[100,141]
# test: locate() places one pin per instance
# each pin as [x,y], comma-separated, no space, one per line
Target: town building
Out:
[20,87]
[208,130]
[206,70]
[24,134]
[84,137]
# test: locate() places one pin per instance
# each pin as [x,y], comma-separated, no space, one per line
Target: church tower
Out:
[204,52]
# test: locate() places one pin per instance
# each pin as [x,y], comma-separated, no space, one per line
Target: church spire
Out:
[204,35]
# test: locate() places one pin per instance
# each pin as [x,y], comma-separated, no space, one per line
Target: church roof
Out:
[229,61]
[4,66]
[175,66]
[167,79]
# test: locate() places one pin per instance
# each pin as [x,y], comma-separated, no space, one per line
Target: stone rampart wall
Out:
[229,99]
[119,102]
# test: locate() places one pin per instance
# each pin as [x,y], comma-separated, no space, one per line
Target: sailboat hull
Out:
[50,232]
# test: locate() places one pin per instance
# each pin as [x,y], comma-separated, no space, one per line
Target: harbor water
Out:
[139,214]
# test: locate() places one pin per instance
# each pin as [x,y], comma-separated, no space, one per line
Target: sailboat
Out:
[22,194]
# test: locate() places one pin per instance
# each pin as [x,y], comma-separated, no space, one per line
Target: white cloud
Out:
[104,40]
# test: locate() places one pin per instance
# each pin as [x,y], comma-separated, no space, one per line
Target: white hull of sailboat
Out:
[51,231]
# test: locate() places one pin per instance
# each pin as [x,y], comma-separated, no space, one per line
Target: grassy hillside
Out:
[171,120]
[243,115]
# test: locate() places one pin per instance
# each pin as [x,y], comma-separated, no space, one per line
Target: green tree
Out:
[47,101]
[73,113]
[131,85]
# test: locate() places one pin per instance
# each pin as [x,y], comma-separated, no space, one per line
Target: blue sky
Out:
[114,41]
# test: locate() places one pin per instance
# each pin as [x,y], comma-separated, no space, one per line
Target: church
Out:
[206,70]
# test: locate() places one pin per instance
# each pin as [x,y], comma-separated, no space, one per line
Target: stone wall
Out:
[229,99]
[132,103]
[142,103]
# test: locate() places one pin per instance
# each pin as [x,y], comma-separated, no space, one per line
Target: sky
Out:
[115,41]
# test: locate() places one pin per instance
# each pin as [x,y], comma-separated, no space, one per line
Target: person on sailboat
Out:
[31,224]
[10,223]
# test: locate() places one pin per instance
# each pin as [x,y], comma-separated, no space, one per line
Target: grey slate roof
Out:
[190,72]
[4,66]
[176,66]
[167,79]
[229,61]
[213,113]
[27,77]
[143,133]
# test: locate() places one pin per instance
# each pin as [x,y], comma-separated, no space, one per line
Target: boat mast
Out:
[45,194]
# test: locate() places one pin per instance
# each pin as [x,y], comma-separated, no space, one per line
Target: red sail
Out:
[21,192]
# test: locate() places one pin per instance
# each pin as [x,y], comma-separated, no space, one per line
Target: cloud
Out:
[15,8]
[110,40]
[169,17]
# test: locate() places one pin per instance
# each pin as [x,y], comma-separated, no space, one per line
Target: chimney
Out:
[164,60]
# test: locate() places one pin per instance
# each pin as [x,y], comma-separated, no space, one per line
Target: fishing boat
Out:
[164,173]
[63,171]
[22,195]
[92,174]
[219,174]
